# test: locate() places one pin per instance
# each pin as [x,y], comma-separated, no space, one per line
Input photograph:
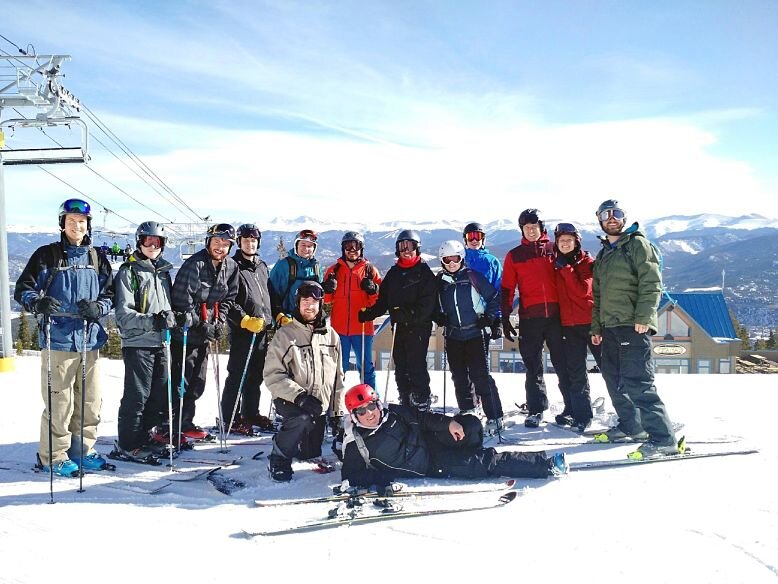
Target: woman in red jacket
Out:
[573,271]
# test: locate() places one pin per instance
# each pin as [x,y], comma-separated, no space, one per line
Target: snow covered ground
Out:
[707,520]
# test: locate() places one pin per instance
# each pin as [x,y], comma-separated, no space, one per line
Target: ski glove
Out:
[496,332]
[213,330]
[363,316]
[507,328]
[336,425]
[253,324]
[483,322]
[400,315]
[368,286]
[166,319]
[309,404]
[440,318]
[330,284]
[89,310]
[561,261]
[185,320]
[46,305]
[282,320]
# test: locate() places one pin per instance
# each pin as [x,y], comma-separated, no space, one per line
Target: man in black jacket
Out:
[248,320]
[203,294]
[409,293]
[382,444]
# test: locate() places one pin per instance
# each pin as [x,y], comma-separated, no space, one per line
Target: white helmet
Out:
[452,247]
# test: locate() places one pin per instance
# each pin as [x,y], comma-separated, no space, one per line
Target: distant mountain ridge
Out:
[696,249]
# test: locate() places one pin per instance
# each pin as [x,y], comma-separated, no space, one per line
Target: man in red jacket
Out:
[350,285]
[573,269]
[530,268]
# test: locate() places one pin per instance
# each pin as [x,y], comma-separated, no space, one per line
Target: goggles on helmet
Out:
[352,245]
[474,236]
[308,234]
[608,213]
[76,206]
[249,230]
[448,260]
[310,291]
[565,228]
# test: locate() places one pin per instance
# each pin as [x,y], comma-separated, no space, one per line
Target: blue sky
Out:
[369,111]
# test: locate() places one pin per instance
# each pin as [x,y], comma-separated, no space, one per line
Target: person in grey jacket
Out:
[304,373]
[143,314]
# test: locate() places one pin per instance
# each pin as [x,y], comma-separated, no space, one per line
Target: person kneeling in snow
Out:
[383,443]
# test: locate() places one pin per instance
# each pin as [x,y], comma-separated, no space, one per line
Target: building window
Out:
[672,365]
[383,358]
[431,360]
[672,326]
[725,366]
[510,363]
[703,365]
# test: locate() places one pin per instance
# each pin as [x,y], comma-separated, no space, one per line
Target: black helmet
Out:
[610,207]
[474,227]
[308,289]
[567,229]
[249,230]
[407,235]
[222,231]
[352,236]
[150,228]
[531,216]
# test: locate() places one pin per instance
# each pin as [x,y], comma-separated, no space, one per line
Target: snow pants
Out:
[629,376]
[301,434]
[410,362]
[354,342]
[144,403]
[196,369]
[249,393]
[533,332]
[575,340]
[467,362]
[467,459]
[66,398]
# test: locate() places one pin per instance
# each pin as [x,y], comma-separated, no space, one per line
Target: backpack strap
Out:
[362,447]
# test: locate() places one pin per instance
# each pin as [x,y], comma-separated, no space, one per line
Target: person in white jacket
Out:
[304,373]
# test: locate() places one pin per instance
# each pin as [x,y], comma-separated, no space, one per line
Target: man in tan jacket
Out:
[303,372]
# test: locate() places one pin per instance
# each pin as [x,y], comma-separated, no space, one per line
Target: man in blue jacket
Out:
[70,285]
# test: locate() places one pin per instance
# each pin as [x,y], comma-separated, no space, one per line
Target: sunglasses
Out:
[311,292]
[362,410]
[76,206]
[151,241]
[448,260]
[308,234]
[352,246]
[475,236]
[608,213]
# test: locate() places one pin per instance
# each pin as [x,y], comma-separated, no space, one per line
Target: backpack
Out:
[58,263]
[293,274]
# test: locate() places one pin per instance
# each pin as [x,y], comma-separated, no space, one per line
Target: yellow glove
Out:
[253,324]
[282,319]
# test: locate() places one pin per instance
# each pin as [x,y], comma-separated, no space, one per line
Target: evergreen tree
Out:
[23,335]
[742,332]
[772,341]
[760,344]
[113,348]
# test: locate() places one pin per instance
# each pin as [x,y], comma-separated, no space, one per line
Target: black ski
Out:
[387,512]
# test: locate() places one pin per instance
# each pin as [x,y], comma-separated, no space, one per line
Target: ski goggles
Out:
[362,410]
[565,229]
[475,236]
[352,246]
[310,291]
[308,234]
[407,245]
[608,213]
[76,206]
[249,230]
[448,260]
[222,231]
[151,241]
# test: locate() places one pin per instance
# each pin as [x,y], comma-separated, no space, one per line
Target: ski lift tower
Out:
[31,83]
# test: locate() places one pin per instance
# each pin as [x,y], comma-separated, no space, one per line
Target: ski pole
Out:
[215,345]
[445,364]
[169,396]
[182,389]
[47,324]
[240,386]
[389,366]
[362,370]
[83,401]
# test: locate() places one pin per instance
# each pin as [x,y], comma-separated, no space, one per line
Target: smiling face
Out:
[371,418]
[249,246]
[566,243]
[76,227]
[218,248]
[305,249]
[151,246]
[309,309]
[531,231]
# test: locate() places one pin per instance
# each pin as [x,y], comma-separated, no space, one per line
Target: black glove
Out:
[330,284]
[483,321]
[337,445]
[400,315]
[507,328]
[166,319]
[46,305]
[309,404]
[336,425]
[213,330]
[89,310]
[368,286]
[363,315]
[561,261]
[496,332]
[184,320]
[440,318]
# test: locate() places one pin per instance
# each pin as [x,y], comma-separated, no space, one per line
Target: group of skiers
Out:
[170,327]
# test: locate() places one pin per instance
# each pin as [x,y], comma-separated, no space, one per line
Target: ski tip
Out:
[510,483]
[508,497]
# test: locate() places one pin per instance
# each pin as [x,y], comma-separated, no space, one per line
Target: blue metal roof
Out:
[708,309]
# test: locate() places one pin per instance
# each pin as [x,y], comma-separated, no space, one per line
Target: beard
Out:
[613,230]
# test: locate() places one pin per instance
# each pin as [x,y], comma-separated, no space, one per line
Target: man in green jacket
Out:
[627,286]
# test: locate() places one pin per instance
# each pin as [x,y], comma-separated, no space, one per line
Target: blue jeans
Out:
[354,342]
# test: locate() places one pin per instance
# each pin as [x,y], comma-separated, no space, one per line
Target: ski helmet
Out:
[249,230]
[567,229]
[608,208]
[531,216]
[308,289]
[352,236]
[75,206]
[473,227]
[306,235]
[452,247]
[150,228]
[407,235]
[359,396]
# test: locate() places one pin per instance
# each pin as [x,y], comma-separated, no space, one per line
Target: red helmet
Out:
[359,395]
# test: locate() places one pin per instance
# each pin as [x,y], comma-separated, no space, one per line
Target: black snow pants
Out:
[145,399]
[239,352]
